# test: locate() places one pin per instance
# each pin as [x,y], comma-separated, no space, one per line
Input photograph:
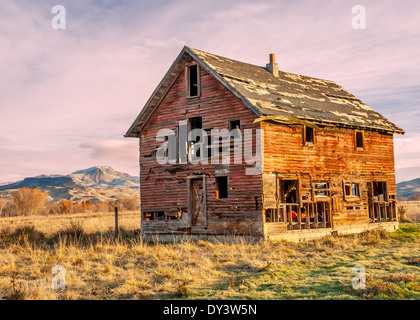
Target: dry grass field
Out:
[99,265]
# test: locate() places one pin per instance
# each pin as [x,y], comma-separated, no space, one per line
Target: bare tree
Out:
[4,201]
[402,212]
[27,202]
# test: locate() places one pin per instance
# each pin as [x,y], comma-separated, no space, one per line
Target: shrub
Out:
[28,202]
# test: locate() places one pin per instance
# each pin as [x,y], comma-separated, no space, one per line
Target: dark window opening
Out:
[193,81]
[175,215]
[289,191]
[380,191]
[309,136]
[359,140]
[234,125]
[149,216]
[193,124]
[221,187]
[155,215]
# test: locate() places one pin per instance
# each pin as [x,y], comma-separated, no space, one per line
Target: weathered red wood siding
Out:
[164,187]
[332,158]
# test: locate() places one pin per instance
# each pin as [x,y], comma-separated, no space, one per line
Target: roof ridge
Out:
[254,65]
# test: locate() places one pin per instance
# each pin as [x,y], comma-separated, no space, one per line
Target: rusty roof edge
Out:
[130,132]
[345,125]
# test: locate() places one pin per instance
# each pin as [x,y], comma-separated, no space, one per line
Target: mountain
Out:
[96,184]
[408,188]
[105,177]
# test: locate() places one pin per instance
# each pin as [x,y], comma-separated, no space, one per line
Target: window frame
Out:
[231,126]
[188,81]
[377,198]
[356,146]
[327,189]
[351,196]
[308,143]
[218,190]
[190,128]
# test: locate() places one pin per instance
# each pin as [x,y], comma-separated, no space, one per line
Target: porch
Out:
[382,211]
[293,216]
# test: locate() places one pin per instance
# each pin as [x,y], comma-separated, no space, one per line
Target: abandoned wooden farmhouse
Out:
[323,161]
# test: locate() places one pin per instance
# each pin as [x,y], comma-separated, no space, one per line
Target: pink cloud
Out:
[68,96]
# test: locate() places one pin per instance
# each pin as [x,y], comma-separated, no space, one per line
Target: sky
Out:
[67,96]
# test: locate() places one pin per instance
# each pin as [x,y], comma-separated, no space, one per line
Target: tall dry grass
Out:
[101,266]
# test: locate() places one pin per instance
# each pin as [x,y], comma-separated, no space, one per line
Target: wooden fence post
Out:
[116,221]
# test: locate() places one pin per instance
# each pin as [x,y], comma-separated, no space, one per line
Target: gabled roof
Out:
[291,98]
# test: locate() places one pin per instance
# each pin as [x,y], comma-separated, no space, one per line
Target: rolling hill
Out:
[408,188]
[95,183]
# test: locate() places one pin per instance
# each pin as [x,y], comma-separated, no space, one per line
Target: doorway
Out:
[197,202]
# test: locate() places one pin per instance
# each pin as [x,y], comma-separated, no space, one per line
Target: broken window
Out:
[321,190]
[272,215]
[234,125]
[192,81]
[380,191]
[154,215]
[351,190]
[161,215]
[289,191]
[359,140]
[195,123]
[149,216]
[221,187]
[174,215]
[309,136]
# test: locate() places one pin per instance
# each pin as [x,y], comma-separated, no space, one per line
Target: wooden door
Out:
[197,203]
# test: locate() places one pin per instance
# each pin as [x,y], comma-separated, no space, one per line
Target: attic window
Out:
[309,136]
[359,143]
[193,86]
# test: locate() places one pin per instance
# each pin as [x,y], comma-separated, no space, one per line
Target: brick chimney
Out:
[273,67]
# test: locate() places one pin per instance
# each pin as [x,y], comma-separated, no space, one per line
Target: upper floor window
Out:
[380,191]
[308,136]
[193,147]
[359,141]
[234,125]
[193,84]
